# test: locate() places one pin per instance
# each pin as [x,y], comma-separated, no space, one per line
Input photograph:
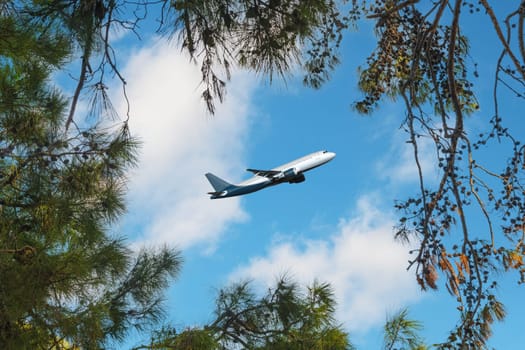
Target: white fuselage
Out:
[308,162]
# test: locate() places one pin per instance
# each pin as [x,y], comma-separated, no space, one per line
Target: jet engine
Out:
[290,173]
[297,179]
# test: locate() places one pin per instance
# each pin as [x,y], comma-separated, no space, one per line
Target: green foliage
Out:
[286,317]
[407,62]
[65,278]
[189,339]
[402,333]
[264,36]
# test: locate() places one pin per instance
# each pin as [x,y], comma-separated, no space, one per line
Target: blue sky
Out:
[335,227]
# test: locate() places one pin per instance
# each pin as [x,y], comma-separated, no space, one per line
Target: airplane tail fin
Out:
[218,184]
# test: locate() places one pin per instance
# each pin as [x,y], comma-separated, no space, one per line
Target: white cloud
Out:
[363,263]
[181,142]
[398,165]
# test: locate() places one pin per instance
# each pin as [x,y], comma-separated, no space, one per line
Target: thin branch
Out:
[501,37]
[454,30]
[80,85]
[521,20]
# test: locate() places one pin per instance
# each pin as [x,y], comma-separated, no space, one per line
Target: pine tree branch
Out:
[80,85]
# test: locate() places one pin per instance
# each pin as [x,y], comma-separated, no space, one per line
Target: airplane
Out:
[291,172]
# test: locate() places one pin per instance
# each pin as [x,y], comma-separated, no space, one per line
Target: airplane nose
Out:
[331,155]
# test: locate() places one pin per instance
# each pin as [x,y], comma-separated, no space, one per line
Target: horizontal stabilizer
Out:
[218,193]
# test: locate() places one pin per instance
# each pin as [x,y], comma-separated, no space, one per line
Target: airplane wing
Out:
[265,173]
